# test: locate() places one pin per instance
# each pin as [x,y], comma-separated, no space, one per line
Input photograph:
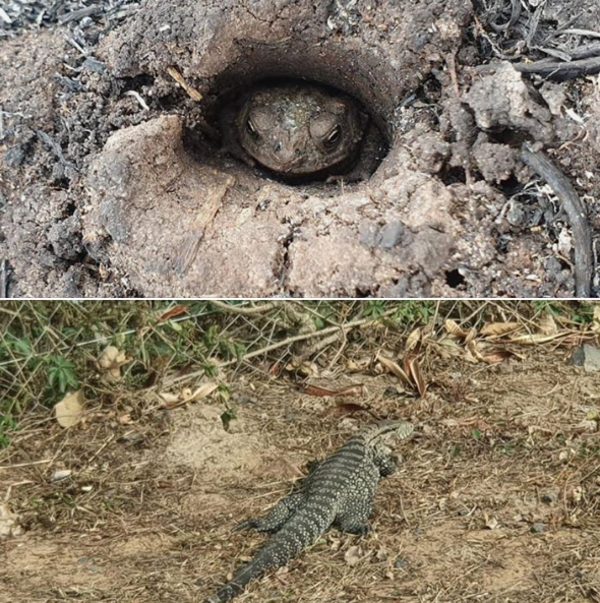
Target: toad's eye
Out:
[252,130]
[333,138]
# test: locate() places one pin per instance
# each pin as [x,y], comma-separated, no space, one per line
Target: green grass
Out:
[48,348]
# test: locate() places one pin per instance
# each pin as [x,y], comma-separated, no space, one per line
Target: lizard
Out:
[296,129]
[338,492]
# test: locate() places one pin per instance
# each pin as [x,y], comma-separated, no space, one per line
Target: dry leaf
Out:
[125,419]
[496,357]
[349,390]
[204,390]
[69,410]
[172,312]
[449,348]
[452,327]
[393,368]
[413,340]
[414,370]
[169,397]
[187,395]
[9,522]
[474,352]
[535,338]
[547,325]
[346,409]
[491,523]
[596,318]
[471,335]
[111,361]
[381,554]
[500,328]
[352,556]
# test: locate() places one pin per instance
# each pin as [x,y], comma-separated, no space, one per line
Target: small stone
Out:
[586,356]
[548,498]
[368,234]
[60,475]
[391,235]
[15,156]
[463,512]
[538,528]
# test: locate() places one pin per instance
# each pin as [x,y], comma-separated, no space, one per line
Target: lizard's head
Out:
[392,431]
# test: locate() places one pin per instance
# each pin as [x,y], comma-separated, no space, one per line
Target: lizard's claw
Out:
[249,524]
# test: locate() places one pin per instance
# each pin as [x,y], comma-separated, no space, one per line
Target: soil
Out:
[498,499]
[114,181]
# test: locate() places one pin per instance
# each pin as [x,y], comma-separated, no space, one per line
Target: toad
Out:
[300,129]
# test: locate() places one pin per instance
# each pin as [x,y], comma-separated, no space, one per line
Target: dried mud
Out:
[113,180]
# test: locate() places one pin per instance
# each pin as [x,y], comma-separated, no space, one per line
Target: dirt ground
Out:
[497,500]
[113,181]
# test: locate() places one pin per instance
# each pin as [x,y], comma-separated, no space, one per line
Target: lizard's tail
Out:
[301,531]
[242,576]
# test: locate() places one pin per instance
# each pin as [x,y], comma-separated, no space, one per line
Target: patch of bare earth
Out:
[115,179]
[497,500]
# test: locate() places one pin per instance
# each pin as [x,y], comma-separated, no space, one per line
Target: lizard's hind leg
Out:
[276,517]
[285,508]
[354,521]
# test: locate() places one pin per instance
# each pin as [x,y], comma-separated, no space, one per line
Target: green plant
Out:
[7,424]
[228,416]
[61,374]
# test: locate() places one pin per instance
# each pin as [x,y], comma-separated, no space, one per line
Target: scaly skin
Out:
[338,492]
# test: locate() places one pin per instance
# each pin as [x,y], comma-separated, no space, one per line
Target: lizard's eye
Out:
[250,128]
[333,138]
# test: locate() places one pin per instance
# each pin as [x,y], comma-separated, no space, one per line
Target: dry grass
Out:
[503,449]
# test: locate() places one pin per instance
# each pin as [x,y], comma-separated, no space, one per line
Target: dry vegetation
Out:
[498,499]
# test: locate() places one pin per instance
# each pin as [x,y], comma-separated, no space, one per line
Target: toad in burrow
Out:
[299,129]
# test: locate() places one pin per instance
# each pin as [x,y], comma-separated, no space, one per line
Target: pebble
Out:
[391,235]
[586,356]
[538,528]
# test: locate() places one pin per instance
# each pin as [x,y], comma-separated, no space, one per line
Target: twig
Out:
[279,344]
[43,462]
[582,237]
[582,32]
[3,280]
[515,13]
[561,70]
[188,248]
[250,311]
[108,441]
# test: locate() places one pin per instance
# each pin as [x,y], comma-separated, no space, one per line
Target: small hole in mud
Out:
[453,175]
[454,279]
[511,186]
[509,136]
[298,131]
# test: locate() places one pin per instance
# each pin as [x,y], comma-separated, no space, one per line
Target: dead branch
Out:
[582,237]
